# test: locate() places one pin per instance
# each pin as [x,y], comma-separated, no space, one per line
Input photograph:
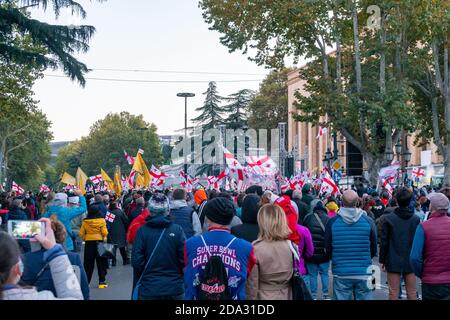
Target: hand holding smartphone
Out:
[25,229]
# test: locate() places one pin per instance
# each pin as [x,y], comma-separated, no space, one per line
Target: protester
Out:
[239,200]
[93,230]
[292,218]
[37,272]
[270,279]
[184,215]
[318,263]
[249,229]
[235,221]
[129,206]
[307,196]
[65,215]
[430,257]
[162,241]
[332,207]
[74,201]
[351,243]
[136,224]
[396,242]
[303,208]
[237,254]
[117,224]
[64,278]
[100,204]
[201,199]
[379,207]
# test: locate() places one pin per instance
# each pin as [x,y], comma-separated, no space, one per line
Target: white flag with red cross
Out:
[418,173]
[110,217]
[96,179]
[322,131]
[328,185]
[236,169]
[44,189]
[387,186]
[130,159]
[18,189]
[262,165]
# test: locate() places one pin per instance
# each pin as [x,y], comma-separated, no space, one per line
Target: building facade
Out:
[309,148]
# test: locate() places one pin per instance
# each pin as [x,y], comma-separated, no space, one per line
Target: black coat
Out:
[118,228]
[303,210]
[318,235]
[164,276]
[378,208]
[397,235]
[249,228]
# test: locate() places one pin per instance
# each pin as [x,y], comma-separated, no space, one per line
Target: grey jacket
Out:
[66,284]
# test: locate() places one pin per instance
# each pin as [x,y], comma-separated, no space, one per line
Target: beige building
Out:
[309,150]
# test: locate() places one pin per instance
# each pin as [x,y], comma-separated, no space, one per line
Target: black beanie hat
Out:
[220,210]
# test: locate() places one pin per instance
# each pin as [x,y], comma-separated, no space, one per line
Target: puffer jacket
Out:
[318,234]
[249,229]
[62,274]
[94,230]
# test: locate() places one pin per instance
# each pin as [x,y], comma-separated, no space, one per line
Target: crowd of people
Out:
[213,245]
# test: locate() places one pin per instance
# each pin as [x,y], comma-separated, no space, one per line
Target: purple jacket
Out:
[305,248]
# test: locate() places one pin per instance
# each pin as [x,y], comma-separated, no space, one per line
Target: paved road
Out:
[119,279]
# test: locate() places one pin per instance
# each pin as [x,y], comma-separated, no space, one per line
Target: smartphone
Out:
[25,229]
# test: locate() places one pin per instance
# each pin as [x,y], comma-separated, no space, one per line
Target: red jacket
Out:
[292,219]
[136,224]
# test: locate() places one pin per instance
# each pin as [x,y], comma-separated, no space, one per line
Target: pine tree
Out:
[59,43]
[237,107]
[211,112]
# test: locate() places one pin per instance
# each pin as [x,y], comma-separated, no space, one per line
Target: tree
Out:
[211,112]
[432,78]
[104,146]
[270,104]
[59,42]
[24,130]
[237,107]
[360,90]
[212,115]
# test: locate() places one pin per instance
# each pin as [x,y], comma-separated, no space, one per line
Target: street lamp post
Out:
[185,95]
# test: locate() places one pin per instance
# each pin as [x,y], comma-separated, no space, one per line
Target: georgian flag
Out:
[18,189]
[284,184]
[262,165]
[96,179]
[322,131]
[417,172]
[186,182]
[158,177]
[44,189]
[328,185]
[110,217]
[387,186]
[129,158]
[236,169]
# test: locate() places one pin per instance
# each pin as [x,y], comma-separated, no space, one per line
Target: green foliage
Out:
[107,140]
[237,107]
[211,112]
[270,104]
[60,42]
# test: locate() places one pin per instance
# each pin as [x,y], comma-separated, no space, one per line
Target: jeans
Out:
[351,289]
[313,271]
[435,291]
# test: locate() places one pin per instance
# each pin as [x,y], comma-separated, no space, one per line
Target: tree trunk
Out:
[374,164]
[446,181]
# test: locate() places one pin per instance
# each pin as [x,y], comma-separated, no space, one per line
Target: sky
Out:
[146,35]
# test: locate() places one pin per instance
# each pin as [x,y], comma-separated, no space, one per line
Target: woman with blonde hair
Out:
[270,279]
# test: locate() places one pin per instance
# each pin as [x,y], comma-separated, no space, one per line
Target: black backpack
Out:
[213,282]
